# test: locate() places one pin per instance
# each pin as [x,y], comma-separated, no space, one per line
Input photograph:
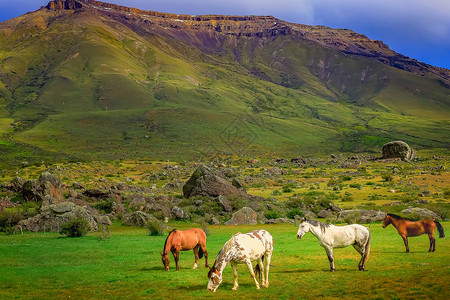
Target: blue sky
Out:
[419,29]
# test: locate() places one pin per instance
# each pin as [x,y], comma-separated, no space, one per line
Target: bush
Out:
[387,177]
[272,215]
[75,228]
[9,219]
[155,227]
[295,212]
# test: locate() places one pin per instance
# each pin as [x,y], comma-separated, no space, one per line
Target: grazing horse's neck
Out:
[224,257]
[168,243]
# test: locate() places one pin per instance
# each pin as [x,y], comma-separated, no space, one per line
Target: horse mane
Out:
[323,226]
[226,247]
[398,217]
[165,243]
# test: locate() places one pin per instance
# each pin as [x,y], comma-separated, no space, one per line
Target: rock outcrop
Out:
[398,149]
[244,216]
[361,216]
[420,213]
[205,182]
[47,187]
[53,216]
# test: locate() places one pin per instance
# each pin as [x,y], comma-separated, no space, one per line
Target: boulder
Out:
[420,213]
[205,182]
[280,220]
[244,216]
[52,216]
[47,185]
[398,149]
[225,203]
[136,218]
[179,213]
[326,213]
[361,216]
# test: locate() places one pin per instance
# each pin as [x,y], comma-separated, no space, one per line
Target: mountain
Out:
[93,80]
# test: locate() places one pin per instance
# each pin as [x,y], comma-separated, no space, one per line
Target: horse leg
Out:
[205,253]
[261,270]
[176,256]
[432,243]
[329,251]
[250,268]
[235,276]
[195,249]
[405,240]
[267,258]
[361,252]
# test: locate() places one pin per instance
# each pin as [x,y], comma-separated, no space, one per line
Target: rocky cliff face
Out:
[179,25]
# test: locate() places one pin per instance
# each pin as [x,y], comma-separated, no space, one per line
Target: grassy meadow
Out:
[127,264]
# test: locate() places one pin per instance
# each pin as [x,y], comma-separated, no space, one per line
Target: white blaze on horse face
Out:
[214,282]
[302,229]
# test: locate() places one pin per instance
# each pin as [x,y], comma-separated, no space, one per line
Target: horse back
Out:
[190,238]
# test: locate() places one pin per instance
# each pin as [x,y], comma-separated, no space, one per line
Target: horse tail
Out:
[200,251]
[440,229]
[257,270]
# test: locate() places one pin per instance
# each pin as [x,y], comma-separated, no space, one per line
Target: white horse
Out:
[331,236]
[243,248]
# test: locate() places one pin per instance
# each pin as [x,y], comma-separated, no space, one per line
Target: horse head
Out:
[165,260]
[387,220]
[215,279]
[303,228]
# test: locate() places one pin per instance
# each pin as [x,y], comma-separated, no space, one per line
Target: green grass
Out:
[128,265]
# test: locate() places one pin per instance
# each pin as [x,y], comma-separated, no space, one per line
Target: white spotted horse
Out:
[331,236]
[243,248]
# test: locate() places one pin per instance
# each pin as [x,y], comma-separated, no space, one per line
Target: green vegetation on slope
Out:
[89,87]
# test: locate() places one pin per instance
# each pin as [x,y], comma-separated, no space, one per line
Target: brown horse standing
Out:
[408,228]
[182,241]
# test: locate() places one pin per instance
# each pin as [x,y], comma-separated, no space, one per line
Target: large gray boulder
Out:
[420,213]
[361,216]
[398,149]
[136,218]
[205,182]
[244,216]
[47,187]
[52,216]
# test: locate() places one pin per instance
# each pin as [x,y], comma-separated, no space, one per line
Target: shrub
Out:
[104,206]
[295,212]
[9,219]
[272,214]
[155,227]
[387,177]
[75,228]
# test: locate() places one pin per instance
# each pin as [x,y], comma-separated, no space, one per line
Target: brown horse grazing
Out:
[182,241]
[408,228]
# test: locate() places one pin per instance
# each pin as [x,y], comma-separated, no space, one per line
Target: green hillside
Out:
[83,85]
